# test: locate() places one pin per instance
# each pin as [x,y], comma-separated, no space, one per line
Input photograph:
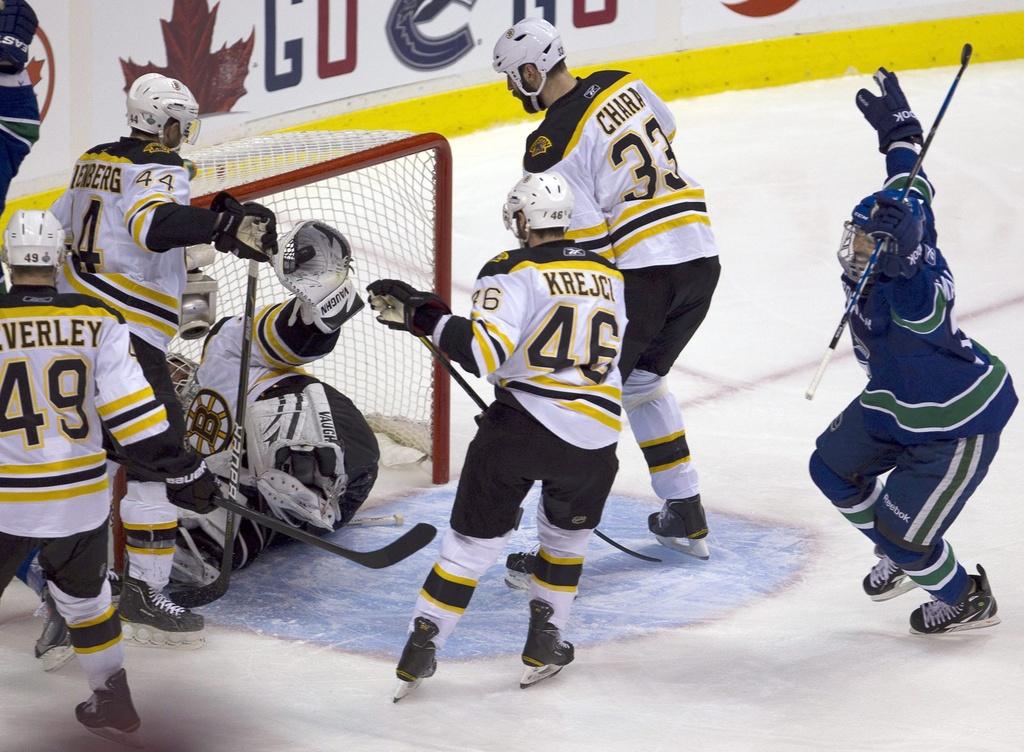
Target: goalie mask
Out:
[314,263]
[183,376]
[296,458]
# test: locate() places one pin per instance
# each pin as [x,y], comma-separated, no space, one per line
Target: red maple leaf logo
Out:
[216,78]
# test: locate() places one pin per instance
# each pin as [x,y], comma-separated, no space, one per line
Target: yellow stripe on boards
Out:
[691,73]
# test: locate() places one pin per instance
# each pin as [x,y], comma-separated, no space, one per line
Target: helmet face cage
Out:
[183,376]
[855,249]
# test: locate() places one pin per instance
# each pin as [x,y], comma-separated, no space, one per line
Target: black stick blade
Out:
[965,54]
[401,548]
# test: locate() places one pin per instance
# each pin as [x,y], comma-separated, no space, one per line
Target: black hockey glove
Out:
[401,306]
[196,489]
[890,114]
[249,231]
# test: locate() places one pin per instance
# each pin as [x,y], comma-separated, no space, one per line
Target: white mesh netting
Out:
[388,212]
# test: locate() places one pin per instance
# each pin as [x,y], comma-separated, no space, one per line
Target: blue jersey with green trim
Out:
[927,379]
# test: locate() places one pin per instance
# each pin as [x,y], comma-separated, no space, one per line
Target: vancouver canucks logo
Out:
[421,51]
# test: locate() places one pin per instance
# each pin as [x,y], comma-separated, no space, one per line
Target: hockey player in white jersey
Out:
[311,457]
[127,217]
[610,137]
[67,374]
[545,329]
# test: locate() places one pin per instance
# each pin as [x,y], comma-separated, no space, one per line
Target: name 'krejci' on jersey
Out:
[611,139]
[106,212]
[546,329]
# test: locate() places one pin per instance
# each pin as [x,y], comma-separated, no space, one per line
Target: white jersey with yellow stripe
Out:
[281,344]
[107,211]
[611,139]
[66,372]
[546,328]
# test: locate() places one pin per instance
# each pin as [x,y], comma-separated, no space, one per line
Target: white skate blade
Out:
[404,688]
[133,739]
[532,675]
[517,580]
[990,622]
[904,587]
[697,548]
[151,637]
[56,657]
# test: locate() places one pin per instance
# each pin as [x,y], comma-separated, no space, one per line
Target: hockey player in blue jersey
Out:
[936,400]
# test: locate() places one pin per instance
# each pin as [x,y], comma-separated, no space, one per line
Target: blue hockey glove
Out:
[890,114]
[18,26]
[902,223]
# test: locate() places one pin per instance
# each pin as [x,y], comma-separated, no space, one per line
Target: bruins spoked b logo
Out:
[209,423]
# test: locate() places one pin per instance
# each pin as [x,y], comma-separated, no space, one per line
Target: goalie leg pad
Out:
[296,456]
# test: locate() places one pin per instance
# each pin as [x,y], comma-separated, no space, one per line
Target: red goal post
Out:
[389,193]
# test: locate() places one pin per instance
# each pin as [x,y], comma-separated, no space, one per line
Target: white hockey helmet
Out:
[34,238]
[154,99]
[532,40]
[545,200]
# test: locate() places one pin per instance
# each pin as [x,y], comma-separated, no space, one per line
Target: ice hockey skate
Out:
[886,580]
[681,526]
[545,652]
[519,569]
[978,609]
[150,618]
[53,648]
[418,661]
[109,712]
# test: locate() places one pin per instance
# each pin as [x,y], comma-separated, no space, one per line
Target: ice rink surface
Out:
[770,645]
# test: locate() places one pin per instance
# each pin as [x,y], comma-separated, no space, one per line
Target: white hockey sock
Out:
[657,424]
[95,633]
[446,592]
[556,574]
[150,526]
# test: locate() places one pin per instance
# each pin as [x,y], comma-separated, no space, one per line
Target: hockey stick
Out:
[965,58]
[211,592]
[401,548]
[447,364]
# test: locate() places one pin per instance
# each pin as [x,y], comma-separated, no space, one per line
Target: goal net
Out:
[389,193]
